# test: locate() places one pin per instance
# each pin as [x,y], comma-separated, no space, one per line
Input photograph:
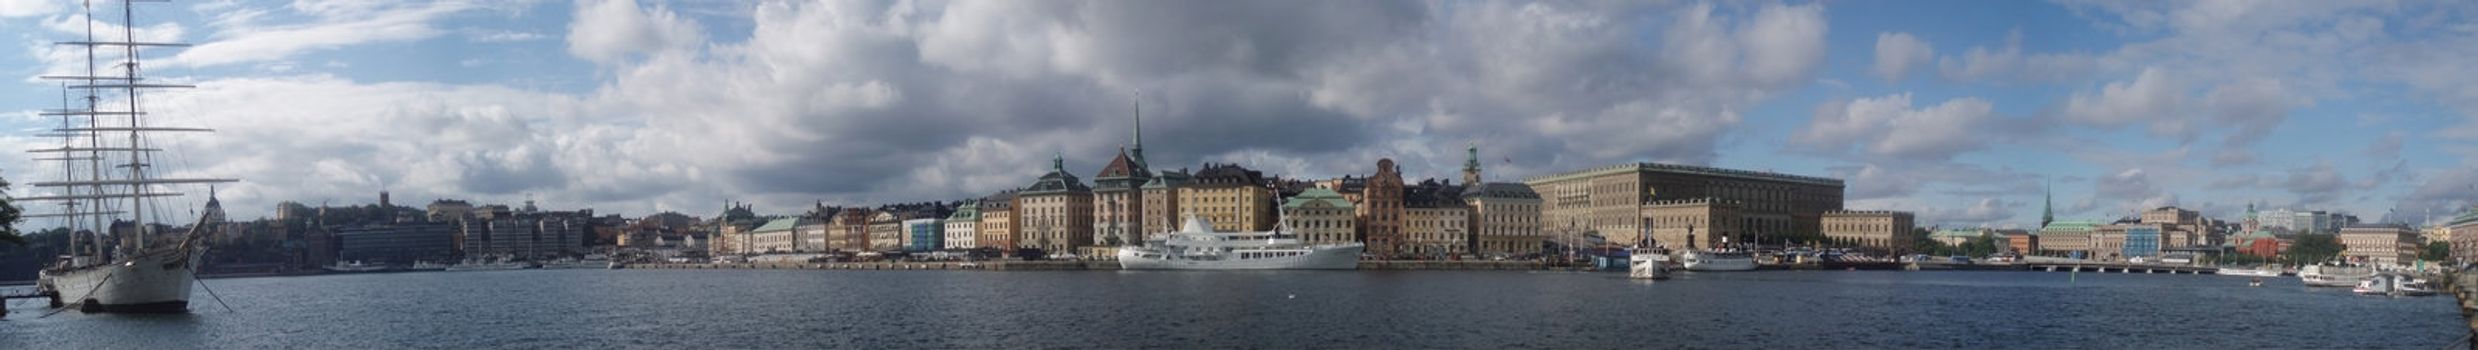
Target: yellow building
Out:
[997,229]
[1233,198]
[1320,216]
[1505,219]
[1610,200]
[1886,230]
[1056,213]
[1692,224]
[1434,221]
[1161,203]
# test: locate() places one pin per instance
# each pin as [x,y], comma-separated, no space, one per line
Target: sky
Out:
[1959,111]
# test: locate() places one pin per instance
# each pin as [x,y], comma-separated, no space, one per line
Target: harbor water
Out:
[1265,309]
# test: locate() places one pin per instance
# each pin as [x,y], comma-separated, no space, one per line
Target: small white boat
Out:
[2374,286]
[1648,263]
[1720,260]
[2325,275]
[2253,272]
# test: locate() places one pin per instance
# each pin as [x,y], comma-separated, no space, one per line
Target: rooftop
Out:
[1312,195]
[1687,169]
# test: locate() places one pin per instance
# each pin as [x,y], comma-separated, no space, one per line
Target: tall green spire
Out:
[2047,210]
[1137,153]
[1058,162]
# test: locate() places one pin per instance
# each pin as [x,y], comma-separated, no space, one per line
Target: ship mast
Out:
[95,151]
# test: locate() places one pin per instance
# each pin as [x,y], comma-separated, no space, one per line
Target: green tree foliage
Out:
[2313,248]
[2435,251]
[8,217]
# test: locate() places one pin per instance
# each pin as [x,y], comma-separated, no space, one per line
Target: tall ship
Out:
[124,256]
[1197,247]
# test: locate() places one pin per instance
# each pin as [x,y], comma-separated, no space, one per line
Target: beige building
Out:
[1505,219]
[1056,212]
[1320,216]
[2178,227]
[1118,201]
[1161,203]
[1887,230]
[849,230]
[2392,245]
[1610,200]
[2064,237]
[998,229]
[1692,223]
[2464,235]
[776,236]
[2108,242]
[1381,211]
[1435,223]
[1233,198]
[886,231]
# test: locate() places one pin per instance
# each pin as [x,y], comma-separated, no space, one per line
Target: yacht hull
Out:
[157,282]
[1321,258]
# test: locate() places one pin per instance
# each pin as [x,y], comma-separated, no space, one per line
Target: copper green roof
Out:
[2468,217]
[969,211]
[2072,225]
[1317,194]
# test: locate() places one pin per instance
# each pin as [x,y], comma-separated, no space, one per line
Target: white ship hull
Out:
[157,282]
[1333,257]
[2332,276]
[1648,264]
[2250,272]
[1699,261]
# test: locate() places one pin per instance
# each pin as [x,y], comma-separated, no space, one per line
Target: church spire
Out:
[2047,209]
[1136,153]
[1471,164]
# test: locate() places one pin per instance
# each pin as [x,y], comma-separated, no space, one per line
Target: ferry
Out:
[2254,272]
[1648,263]
[2325,275]
[1720,260]
[1198,247]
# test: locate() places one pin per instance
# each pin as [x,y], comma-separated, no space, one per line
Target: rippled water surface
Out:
[971,309]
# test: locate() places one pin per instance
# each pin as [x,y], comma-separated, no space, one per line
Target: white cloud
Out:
[1887,126]
[607,31]
[504,36]
[2152,96]
[1896,52]
[27,8]
[334,24]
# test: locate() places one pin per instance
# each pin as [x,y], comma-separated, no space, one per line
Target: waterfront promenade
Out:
[1055,265]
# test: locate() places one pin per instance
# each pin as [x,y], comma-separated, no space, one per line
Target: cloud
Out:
[2319,184]
[27,8]
[606,31]
[2151,96]
[333,25]
[503,36]
[2386,147]
[1896,52]
[2133,187]
[1887,126]
[2009,64]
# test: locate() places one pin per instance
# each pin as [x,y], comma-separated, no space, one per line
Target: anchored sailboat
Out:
[117,262]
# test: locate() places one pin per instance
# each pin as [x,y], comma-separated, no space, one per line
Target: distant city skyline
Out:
[637,107]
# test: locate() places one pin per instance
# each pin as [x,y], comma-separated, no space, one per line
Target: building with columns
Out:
[1689,224]
[1505,219]
[1611,200]
[1884,230]
[1056,212]
[2386,245]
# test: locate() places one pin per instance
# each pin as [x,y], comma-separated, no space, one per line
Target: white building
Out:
[961,228]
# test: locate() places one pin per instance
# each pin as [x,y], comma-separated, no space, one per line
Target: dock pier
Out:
[32,294]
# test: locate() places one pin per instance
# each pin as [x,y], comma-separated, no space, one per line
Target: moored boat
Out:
[1648,263]
[2328,275]
[1198,247]
[1719,260]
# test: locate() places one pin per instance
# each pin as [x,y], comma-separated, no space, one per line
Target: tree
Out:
[8,218]
[2436,251]
[2313,248]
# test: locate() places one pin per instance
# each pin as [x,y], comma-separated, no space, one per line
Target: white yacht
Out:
[1197,247]
[1720,260]
[2267,271]
[1648,263]
[108,167]
[2325,275]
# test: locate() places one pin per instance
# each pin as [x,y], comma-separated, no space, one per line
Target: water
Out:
[1374,309]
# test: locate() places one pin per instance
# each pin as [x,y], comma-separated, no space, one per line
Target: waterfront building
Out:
[1118,201]
[1381,210]
[1231,197]
[850,228]
[2022,242]
[1610,199]
[540,235]
[2380,244]
[2435,233]
[2464,235]
[924,235]
[1435,222]
[2067,237]
[1956,237]
[998,226]
[397,243]
[1056,211]
[2179,228]
[2142,240]
[1686,223]
[885,231]
[776,236]
[2108,241]
[1505,219]
[961,229]
[1161,203]
[1320,216]
[1885,230]
[448,210]
[811,231]
[2258,243]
